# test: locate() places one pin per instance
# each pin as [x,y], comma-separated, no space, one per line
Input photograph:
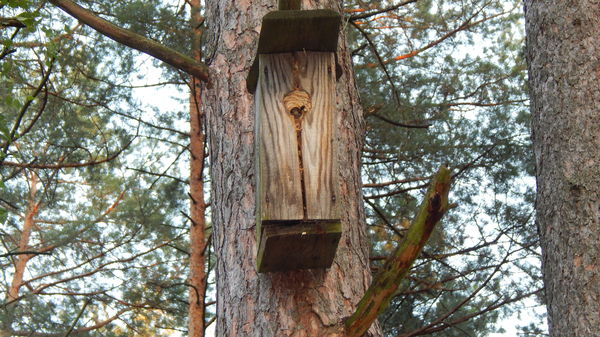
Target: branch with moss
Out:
[134,40]
[386,282]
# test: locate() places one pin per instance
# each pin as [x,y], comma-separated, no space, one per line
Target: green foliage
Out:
[115,232]
[29,19]
[5,136]
[23,4]
[105,230]
[4,132]
[26,12]
[469,88]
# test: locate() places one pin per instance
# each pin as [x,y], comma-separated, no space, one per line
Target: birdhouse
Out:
[293,79]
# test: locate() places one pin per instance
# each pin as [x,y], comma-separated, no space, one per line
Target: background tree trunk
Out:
[197,277]
[300,303]
[21,260]
[564,69]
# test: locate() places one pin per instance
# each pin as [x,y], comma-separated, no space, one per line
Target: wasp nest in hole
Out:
[297,103]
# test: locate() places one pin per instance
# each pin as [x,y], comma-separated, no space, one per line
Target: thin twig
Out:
[85,304]
[384,10]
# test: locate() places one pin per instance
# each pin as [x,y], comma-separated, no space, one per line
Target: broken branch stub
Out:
[397,266]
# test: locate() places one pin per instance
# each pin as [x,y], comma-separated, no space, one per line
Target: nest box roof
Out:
[295,30]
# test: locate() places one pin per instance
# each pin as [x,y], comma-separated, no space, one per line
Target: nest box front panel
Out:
[298,224]
[295,101]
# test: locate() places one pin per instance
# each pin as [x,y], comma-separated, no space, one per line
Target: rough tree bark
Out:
[299,303]
[563,53]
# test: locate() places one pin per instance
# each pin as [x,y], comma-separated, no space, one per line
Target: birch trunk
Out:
[298,303]
[563,52]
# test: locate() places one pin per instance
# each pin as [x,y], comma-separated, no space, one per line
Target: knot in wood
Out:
[297,103]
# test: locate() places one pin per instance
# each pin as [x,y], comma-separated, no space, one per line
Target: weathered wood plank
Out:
[280,191]
[281,185]
[297,30]
[318,78]
[298,222]
[289,4]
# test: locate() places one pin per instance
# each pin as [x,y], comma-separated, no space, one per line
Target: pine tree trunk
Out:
[21,260]
[563,52]
[197,277]
[298,303]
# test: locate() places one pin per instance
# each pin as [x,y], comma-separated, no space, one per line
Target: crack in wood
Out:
[298,103]
[298,125]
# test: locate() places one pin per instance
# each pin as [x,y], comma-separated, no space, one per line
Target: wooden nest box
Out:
[293,79]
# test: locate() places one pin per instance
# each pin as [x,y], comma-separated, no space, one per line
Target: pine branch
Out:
[13,133]
[440,321]
[381,62]
[179,180]
[61,165]
[134,40]
[395,182]
[467,24]
[33,165]
[385,10]
[81,311]
[401,124]
[385,284]
[26,252]
[483,311]
[383,218]
[11,22]
[96,326]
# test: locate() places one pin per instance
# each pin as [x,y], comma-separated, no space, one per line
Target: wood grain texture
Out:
[280,185]
[296,197]
[317,76]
